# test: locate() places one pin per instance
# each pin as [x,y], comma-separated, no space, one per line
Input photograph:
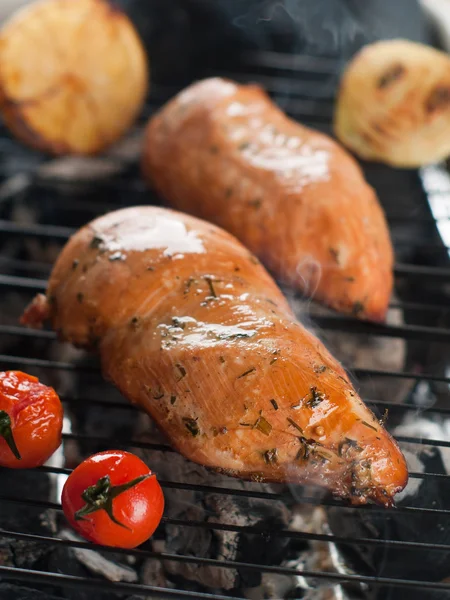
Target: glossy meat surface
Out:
[192,328]
[293,196]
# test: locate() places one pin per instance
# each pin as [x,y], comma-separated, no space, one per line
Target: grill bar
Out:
[53,364]
[266,533]
[306,100]
[224,564]
[62,234]
[165,448]
[101,586]
[413,510]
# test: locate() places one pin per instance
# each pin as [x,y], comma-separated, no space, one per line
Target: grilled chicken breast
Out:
[226,153]
[193,329]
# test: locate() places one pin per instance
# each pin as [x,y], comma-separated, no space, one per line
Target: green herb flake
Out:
[366,424]
[210,283]
[243,146]
[271,456]
[315,398]
[176,322]
[188,284]
[294,424]
[232,336]
[182,371]
[214,150]
[157,393]
[384,418]
[305,449]
[309,448]
[192,426]
[134,322]
[263,425]
[320,369]
[173,399]
[246,373]
[256,203]
[335,254]
[273,402]
[346,444]
[96,242]
[253,259]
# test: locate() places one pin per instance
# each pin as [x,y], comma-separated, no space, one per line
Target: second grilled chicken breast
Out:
[226,153]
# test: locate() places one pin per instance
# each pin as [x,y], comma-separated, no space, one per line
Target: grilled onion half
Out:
[73,75]
[394,104]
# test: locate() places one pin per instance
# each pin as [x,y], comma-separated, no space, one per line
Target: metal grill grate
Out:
[304,87]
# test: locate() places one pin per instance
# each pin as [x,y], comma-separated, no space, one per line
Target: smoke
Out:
[338,27]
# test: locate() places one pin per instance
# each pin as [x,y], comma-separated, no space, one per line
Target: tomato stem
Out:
[100,496]
[7,434]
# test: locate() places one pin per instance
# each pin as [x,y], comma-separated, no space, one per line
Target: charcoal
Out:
[429,565]
[9,591]
[63,560]
[15,516]
[100,563]
[214,508]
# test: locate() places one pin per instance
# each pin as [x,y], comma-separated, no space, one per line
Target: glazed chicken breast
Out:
[224,152]
[192,328]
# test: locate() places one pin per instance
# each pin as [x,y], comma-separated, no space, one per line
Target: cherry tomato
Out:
[113,499]
[31,419]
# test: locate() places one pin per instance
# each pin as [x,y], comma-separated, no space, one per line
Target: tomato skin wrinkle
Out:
[31,420]
[113,499]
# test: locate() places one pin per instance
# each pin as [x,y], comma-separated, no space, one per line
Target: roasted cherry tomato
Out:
[31,419]
[113,499]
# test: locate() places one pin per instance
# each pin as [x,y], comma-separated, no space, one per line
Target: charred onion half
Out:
[394,104]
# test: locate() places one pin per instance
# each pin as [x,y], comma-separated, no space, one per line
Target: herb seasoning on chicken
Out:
[292,195]
[201,363]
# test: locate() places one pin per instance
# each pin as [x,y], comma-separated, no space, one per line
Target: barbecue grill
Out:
[364,552]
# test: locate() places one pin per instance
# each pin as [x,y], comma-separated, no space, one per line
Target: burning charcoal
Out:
[214,508]
[64,560]
[429,565]
[98,564]
[9,591]
[265,514]
[153,570]
[18,517]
